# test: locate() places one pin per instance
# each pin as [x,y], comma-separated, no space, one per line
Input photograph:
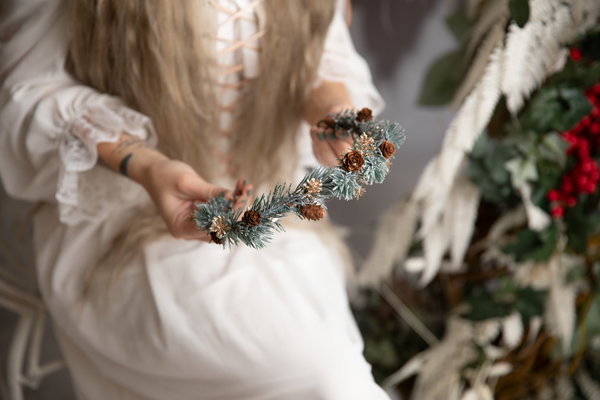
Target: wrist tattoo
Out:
[123,165]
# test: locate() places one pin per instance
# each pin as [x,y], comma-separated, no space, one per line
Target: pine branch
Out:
[367,162]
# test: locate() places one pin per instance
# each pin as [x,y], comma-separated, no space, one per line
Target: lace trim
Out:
[85,192]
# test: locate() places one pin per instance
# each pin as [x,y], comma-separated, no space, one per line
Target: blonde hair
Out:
[151,54]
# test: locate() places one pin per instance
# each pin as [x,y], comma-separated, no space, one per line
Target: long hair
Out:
[155,55]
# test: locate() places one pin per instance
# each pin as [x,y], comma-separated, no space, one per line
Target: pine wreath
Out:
[365,163]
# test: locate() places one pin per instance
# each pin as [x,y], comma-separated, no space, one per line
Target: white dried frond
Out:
[439,176]
[535,324]
[532,52]
[415,264]
[392,241]
[506,222]
[500,369]
[559,312]
[492,13]
[445,360]
[512,330]
[584,13]
[435,244]
[477,67]
[461,214]
[563,388]
[479,392]
[537,275]
[590,388]
[486,331]
[494,352]
[410,368]
[473,8]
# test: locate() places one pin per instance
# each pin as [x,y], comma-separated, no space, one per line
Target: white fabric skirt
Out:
[190,320]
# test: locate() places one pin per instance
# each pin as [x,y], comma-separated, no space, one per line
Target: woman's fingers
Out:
[242,193]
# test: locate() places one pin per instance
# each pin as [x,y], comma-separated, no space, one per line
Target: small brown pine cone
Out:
[364,115]
[312,212]
[251,217]
[387,149]
[353,161]
[215,238]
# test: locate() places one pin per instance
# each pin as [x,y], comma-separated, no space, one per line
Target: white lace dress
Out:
[187,320]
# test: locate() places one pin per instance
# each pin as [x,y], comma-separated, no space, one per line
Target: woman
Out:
[181,98]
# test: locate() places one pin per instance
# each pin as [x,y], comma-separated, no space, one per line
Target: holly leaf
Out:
[519,11]
[442,79]
[578,107]
[521,170]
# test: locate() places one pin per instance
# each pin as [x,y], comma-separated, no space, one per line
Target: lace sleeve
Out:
[85,191]
[341,63]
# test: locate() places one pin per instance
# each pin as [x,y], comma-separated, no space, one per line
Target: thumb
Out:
[199,189]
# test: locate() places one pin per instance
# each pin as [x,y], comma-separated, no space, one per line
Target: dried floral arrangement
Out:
[502,232]
[366,162]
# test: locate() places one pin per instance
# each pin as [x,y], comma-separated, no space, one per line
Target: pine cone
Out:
[312,212]
[387,149]
[215,238]
[251,217]
[364,115]
[353,161]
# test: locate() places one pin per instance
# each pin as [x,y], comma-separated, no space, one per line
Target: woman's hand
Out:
[328,98]
[329,150]
[173,186]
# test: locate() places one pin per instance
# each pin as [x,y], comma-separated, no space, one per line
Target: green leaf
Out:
[519,11]
[532,245]
[578,107]
[459,24]
[552,148]
[483,306]
[442,79]
[529,303]
[579,225]
[521,170]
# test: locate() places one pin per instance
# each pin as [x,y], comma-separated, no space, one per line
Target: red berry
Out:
[590,187]
[595,112]
[552,195]
[585,121]
[583,153]
[591,98]
[576,130]
[594,128]
[575,55]
[587,165]
[594,175]
[557,211]
[571,201]
[566,185]
[596,88]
